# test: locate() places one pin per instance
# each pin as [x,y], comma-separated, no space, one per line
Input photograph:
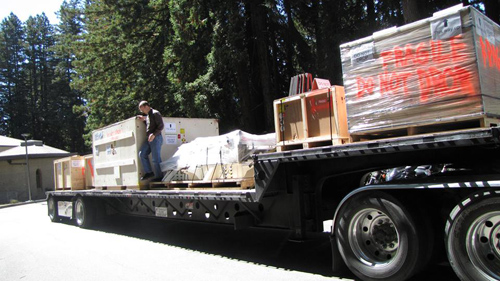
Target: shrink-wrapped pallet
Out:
[234,147]
[437,71]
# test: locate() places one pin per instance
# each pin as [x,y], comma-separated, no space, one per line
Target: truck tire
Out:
[472,238]
[52,209]
[378,238]
[84,212]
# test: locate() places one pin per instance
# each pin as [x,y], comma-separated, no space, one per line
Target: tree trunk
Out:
[289,39]
[260,33]
[370,15]
[410,10]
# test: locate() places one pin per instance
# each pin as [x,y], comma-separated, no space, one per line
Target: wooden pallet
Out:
[69,188]
[434,127]
[310,143]
[121,187]
[246,183]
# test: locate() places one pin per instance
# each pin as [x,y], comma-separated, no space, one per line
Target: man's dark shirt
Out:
[154,122]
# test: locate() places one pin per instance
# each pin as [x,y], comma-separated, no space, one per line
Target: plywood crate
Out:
[436,74]
[233,175]
[89,171]
[116,147]
[69,173]
[311,119]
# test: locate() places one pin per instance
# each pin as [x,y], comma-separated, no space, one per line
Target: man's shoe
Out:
[147,176]
[157,180]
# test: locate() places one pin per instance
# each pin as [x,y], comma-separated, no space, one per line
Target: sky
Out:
[23,9]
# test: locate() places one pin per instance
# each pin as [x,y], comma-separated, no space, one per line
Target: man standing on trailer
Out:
[154,126]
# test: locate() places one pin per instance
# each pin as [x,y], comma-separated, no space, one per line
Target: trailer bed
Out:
[265,165]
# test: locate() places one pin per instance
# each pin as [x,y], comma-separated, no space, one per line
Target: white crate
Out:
[115,147]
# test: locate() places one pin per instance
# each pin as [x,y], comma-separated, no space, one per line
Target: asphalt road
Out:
[127,248]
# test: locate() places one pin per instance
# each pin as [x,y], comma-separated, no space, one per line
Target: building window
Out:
[38,178]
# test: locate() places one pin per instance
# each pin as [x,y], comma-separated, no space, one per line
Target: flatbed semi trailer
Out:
[382,229]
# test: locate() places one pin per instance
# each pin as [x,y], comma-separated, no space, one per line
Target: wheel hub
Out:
[384,233]
[373,237]
[483,244]
[79,212]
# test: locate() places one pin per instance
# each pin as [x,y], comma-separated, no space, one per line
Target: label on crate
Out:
[98,136]
[77,163]
[161,212]
[170,139]
[485,29]
[362,53]
[446,28]
[170,128]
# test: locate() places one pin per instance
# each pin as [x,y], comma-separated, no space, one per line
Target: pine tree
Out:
[13,90]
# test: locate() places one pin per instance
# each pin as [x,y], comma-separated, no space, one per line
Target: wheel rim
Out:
[483,244]
[79,212]
[373,237]
[52,208]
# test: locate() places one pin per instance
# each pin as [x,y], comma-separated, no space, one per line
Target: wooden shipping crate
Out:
[69,173]
[311,119]
[436,74]
[115,148]
[89,171]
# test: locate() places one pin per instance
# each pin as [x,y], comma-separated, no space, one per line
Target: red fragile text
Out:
[490,54]
[433,68]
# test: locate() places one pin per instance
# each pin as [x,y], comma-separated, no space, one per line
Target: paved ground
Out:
[33,248]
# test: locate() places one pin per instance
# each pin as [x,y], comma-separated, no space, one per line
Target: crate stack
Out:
[437,74]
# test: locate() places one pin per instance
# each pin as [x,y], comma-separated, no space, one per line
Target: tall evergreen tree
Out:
[69,107]
[40,66]
[13,89]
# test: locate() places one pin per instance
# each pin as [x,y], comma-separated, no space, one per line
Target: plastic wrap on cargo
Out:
[233,147]
[437,69]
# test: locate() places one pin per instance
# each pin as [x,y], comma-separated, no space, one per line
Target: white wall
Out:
[13,182]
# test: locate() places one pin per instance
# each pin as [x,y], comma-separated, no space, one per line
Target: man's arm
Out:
[159,122]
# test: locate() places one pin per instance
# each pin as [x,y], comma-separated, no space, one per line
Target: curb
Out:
[22,203]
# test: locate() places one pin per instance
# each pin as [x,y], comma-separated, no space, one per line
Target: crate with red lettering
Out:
[89,171]
[315,118]
[440,73]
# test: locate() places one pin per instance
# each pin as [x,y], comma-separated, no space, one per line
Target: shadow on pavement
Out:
[267,247]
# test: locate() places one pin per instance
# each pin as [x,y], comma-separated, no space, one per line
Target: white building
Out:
[13,179]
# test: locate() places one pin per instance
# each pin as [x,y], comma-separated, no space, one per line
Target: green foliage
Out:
[36,96]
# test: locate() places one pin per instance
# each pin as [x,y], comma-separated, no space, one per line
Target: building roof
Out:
[34,151]
[6,141]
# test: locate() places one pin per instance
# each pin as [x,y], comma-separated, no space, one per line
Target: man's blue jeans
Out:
[153,147]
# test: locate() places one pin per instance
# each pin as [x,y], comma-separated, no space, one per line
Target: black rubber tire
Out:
[411,250]
[481,262]
[84,212]
[52,209]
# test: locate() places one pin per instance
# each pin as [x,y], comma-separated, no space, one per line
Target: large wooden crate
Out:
[89,171]
[116,147]
[311,119]
[436,74]
[69,173]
